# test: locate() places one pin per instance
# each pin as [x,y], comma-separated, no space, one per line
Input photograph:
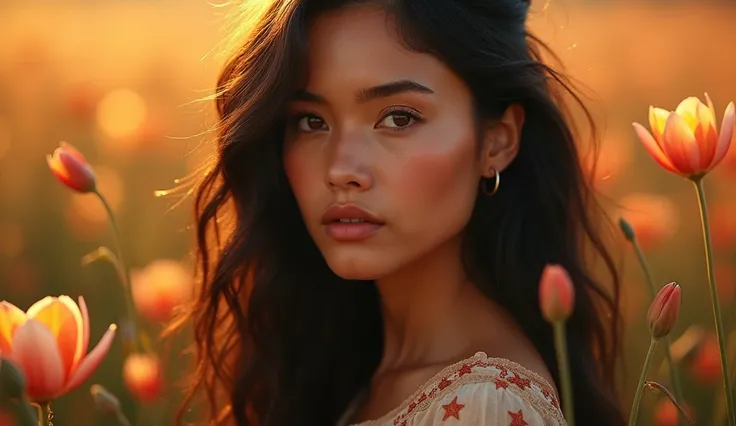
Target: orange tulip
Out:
[143,376]
[705,367]
[664,310]
[725,275]
[49,344]
[556,293]
[71,168]
[654,218]
[160,288]
[666,414]
[723,224]
[686,141]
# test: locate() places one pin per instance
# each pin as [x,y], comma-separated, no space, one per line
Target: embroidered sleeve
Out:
[484,392]
[484,404]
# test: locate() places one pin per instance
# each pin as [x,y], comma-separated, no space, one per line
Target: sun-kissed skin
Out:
[421,182]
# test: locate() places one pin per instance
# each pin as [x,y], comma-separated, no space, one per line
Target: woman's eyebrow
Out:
[369,93]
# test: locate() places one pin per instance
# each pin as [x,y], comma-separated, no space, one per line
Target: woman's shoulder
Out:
[480,391]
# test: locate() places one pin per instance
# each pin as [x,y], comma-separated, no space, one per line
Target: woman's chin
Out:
[358,267]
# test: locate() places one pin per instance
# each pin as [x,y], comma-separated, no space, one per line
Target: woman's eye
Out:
[311,123]
[398,120]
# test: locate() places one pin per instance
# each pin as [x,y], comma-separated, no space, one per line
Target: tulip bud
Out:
[627,229]
[663,312]
[72,169]
[101,253]
[12,381]
[105,400]
[556,294]
[143,376]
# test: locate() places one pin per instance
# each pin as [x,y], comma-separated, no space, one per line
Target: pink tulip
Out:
[143,376]
[686,142]
[72,169]
[49,345]
[664,310]
[160,288]
[556,294]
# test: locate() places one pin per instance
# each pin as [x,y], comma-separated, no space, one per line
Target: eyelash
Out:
[405,111]
[397,111]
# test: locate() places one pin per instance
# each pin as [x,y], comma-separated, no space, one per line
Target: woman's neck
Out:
[426,308]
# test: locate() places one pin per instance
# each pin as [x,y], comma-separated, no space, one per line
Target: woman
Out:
[391,179]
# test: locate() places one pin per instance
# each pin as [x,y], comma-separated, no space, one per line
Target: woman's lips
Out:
[351,231]
[348,222]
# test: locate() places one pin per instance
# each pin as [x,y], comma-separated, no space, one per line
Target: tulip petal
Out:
[11,317]
[39,306]
[680,146]
[710,106]
[687,109]
[653,148]
[92,361]
[61,316]
[70,342]
[657,120]
[726,135]
[81,176]
[36,354]
[74,152]
[85,329]
[706,134]
[57,168]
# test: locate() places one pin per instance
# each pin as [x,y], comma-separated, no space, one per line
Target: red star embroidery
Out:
[501,384]
[452,410]
[517,419]
[504,372]
[520,381]
[465,369]
[444,383]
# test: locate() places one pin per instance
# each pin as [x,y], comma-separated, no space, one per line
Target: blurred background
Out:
[123,80]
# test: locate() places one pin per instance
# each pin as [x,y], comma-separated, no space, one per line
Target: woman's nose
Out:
[349,165]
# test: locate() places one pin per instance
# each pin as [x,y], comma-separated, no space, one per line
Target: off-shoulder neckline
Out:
[447,371]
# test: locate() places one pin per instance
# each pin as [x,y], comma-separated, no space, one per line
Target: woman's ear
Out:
[500,141]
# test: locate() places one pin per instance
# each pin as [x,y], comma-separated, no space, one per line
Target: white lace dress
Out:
[478,391]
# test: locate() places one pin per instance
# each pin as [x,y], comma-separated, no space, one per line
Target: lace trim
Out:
[528,385]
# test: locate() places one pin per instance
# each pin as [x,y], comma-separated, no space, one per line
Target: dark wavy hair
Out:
[280,339]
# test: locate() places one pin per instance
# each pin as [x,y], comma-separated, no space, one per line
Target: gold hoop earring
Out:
[489,192]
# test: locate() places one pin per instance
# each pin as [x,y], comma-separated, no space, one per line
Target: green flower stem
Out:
[122,419]
[714,299]
[122,271]
[39,411]
[642,380]
[563,364]
[671,397]
[674,375]
[46,415]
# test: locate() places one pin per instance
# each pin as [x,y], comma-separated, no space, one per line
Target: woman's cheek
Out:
[440,187]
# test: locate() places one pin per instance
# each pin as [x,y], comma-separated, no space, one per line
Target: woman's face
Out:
[382,135]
